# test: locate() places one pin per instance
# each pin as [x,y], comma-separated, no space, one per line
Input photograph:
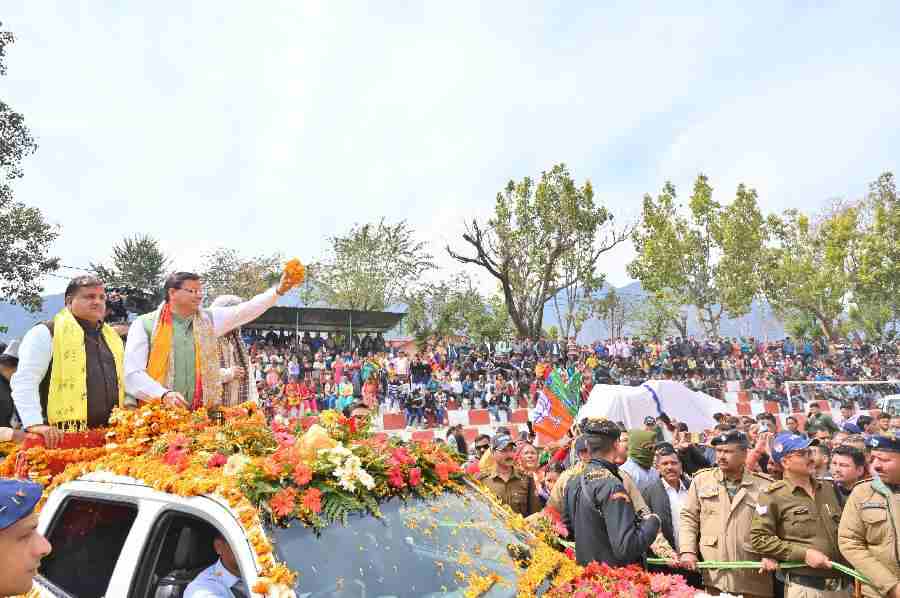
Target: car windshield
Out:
[418,548]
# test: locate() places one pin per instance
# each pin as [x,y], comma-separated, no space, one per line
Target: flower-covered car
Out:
[316,509]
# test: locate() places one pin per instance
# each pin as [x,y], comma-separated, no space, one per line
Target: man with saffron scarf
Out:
[71,368]
[172,352]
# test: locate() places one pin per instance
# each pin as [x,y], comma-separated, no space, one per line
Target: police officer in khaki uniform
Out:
[512,487]
[716,518]
[867,535]
[579,446]
[797,520]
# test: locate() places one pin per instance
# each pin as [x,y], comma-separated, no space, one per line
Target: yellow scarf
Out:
[67,403]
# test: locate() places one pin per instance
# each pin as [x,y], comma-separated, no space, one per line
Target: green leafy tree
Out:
[875,311]
[806,273]
[541,240]
[439,310]
[659,314]
[137,261]
[708,257]
[372,267]
[490,321]
[615,311]
[25,235]
[226,272]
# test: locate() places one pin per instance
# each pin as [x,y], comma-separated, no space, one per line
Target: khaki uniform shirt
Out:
[519,492]
[788,521]
[867,535]
[716,527]
[559,488]
[660,546]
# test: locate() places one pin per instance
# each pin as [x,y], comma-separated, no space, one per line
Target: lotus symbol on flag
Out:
[544,410]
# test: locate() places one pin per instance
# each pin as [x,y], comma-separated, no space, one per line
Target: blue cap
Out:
[852,428]
[17,500]
[501,441]
[889,442]
[788,443]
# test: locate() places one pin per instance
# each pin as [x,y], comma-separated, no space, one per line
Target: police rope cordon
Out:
[758,565]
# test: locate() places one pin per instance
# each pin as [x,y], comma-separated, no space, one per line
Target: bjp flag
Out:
[551,418]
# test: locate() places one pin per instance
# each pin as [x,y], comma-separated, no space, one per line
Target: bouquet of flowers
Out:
[602,581]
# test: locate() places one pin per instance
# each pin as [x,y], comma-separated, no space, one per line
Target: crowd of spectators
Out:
[309,372]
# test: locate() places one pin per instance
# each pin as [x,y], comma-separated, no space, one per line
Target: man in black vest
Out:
[85,298]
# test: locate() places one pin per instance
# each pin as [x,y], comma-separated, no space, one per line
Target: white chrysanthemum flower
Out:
[365,478]
[235,465]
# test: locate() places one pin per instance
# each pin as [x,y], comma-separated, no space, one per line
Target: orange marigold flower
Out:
[283,503]
[272,468]
[295,271]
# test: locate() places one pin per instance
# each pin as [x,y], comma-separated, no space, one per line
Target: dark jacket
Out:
[658,502]
[693,460]
[7,409]
[600,515]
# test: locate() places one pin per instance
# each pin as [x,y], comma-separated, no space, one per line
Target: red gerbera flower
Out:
[302,475]
[395,477]
[312,500]
[217,460]
[415,476]
[401,456]
[443,471]
[283,502]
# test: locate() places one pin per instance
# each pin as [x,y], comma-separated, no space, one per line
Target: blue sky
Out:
[271,125]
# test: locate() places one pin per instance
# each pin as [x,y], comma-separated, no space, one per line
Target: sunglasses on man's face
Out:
[482,447]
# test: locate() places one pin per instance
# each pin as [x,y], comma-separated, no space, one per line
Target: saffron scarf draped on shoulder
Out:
[67,401]
[161,363]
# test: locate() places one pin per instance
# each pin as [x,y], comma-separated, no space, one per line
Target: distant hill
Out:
[759,323]
[18,320]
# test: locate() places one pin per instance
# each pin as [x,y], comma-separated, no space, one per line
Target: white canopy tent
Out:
[631,404]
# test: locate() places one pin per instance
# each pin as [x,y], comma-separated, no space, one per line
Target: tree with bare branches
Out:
[544,238]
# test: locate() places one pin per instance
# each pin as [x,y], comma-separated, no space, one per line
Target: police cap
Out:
[888,442]
[730,437]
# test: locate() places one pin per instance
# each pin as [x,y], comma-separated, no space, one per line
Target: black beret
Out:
[591,426]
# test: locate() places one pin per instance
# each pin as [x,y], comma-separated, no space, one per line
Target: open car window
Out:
[420,548]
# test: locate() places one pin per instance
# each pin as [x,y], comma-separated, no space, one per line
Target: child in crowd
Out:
[345,393]
[307,399]
[329,394]
[292,398]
